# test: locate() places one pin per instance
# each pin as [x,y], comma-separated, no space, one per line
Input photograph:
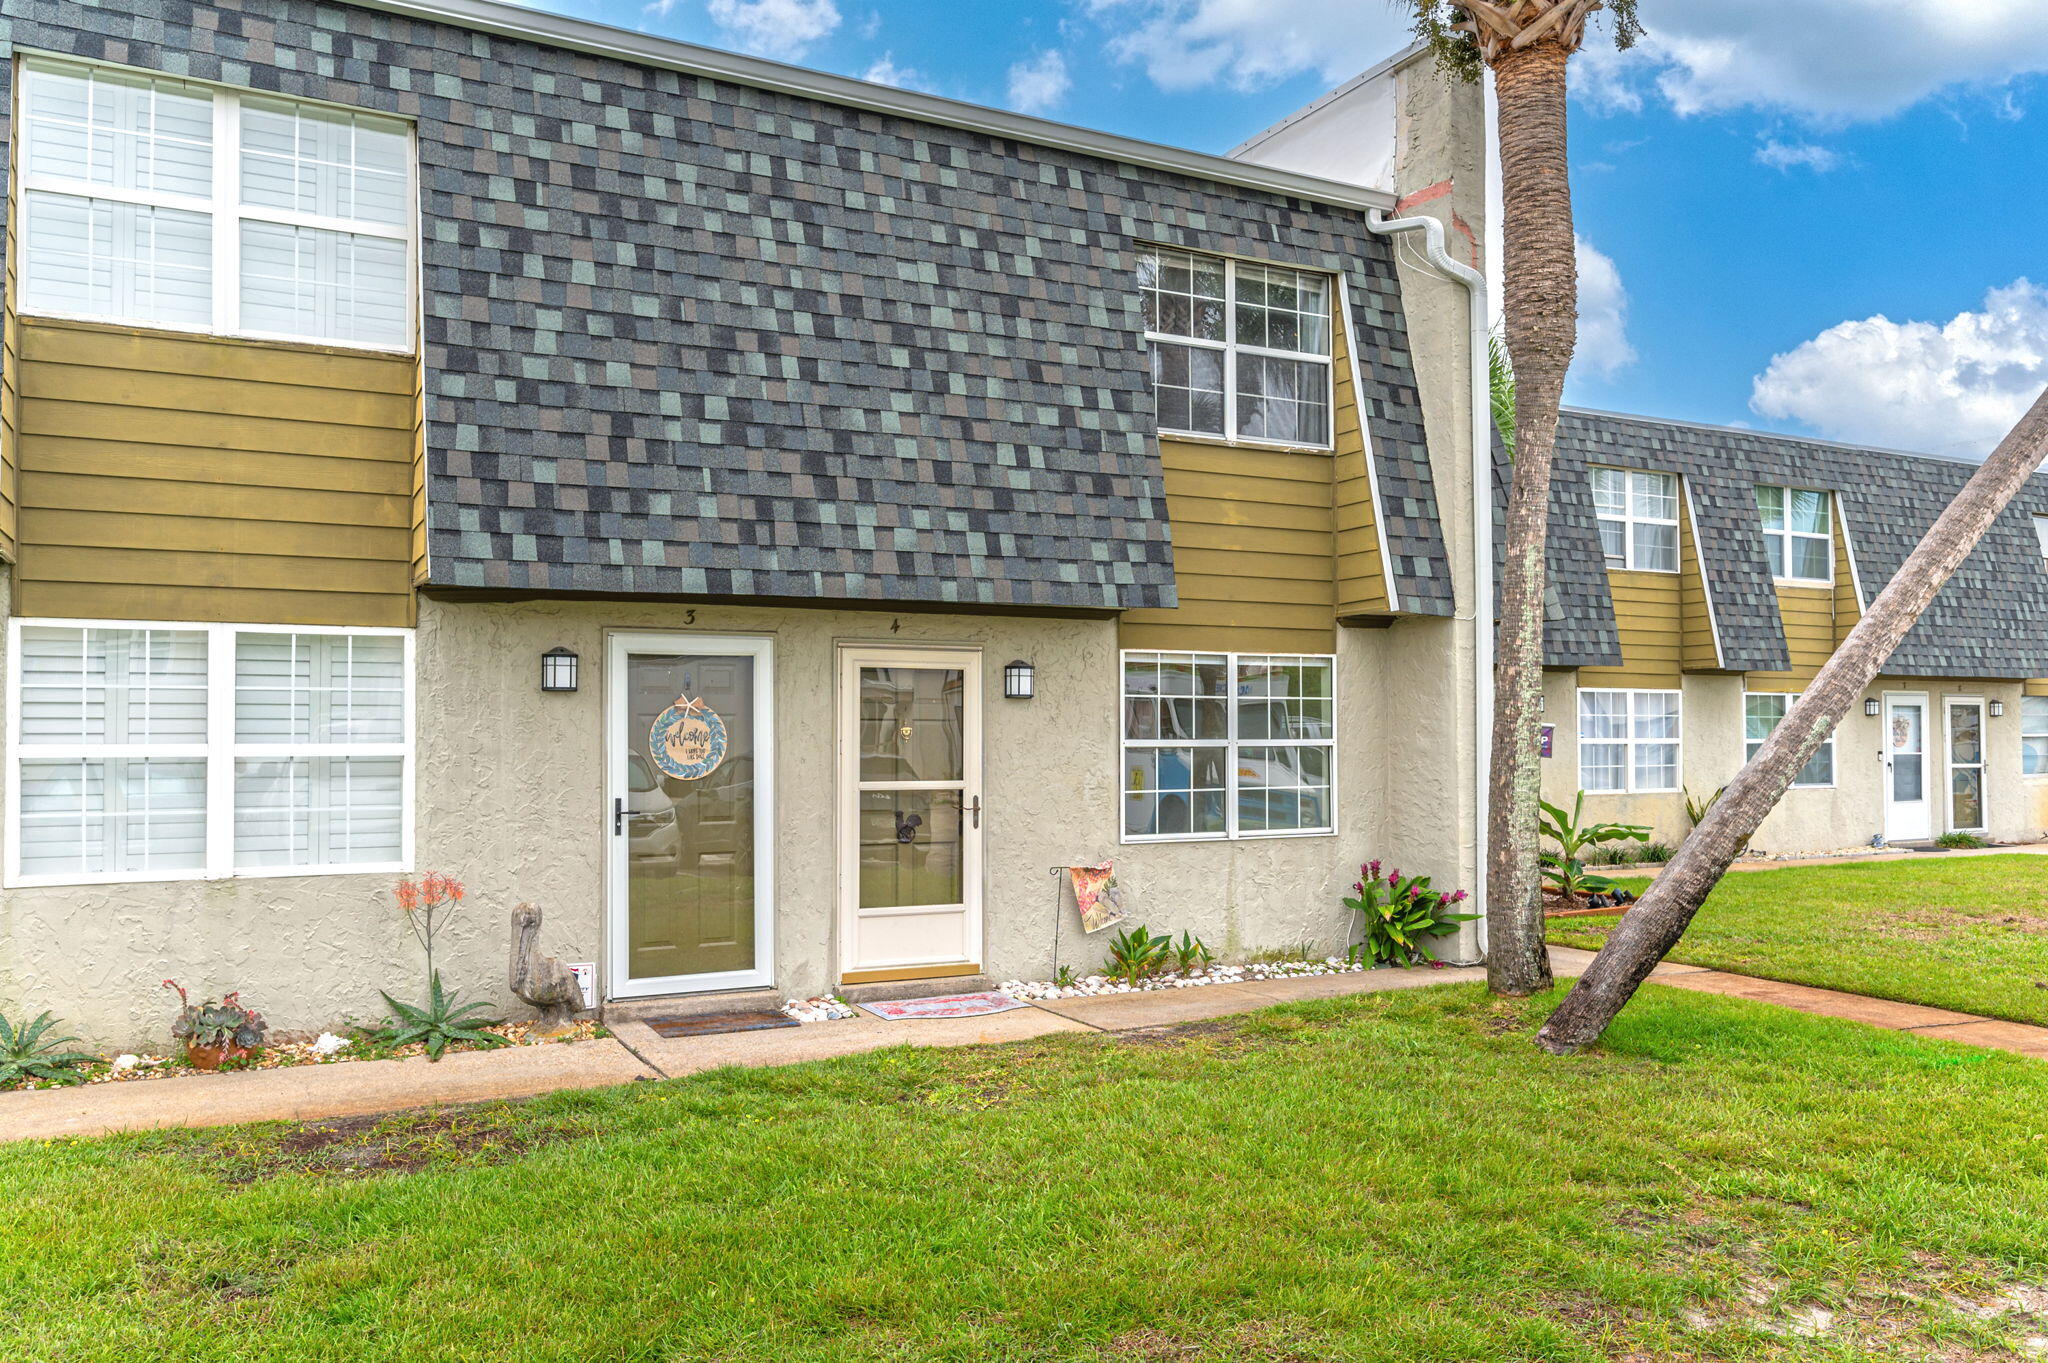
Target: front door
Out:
[1965,766]
[1908,810]
[691,814]
[909,813]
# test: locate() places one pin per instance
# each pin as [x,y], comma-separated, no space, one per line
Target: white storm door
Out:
[1908,805]
[909,812]
[1965,765]
[689,813]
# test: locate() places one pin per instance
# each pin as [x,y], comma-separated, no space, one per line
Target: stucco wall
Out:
[512,801]
[1812,820]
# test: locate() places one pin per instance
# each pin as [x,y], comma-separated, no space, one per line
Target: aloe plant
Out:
[28,1052]
[1136,954]
[440,1023]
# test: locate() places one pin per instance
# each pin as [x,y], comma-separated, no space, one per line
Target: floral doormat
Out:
[945,1006]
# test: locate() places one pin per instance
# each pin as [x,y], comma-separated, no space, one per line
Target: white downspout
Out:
[1482,520]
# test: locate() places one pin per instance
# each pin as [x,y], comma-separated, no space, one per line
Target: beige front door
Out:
[909,813]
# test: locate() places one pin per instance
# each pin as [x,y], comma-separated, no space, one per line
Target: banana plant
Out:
[1565,869]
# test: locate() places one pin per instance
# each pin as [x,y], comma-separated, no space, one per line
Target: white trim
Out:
[1949,765]
[220,751]
[1628,742]
[1230,743]
[223,208]
[1630,520]
[619,645]
[848,660]
[1692,517]
[1230,348]
[643,49]
[1791,698]
[1372,468]
[1849,552]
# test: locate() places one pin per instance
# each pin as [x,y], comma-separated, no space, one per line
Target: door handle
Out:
[618,815]
[975,810]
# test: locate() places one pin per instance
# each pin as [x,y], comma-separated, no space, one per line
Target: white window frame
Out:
[1629,520]
[221,752]
[223,209]
[1231,347]
[1231,833]
[2026,733]
[1630,742]
[1788,535]
[1791,698]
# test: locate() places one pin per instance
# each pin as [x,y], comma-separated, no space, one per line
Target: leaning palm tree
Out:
[1527,45]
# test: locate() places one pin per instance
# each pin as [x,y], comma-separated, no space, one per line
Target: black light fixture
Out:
[1871,706]
[1997,708]
[558,670]
[1017,682]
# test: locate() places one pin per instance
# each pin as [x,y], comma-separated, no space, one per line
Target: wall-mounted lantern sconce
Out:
[1871,706]
[558,670]
[1997,708]
[1017,681]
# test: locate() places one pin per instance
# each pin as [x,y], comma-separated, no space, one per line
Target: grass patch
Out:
[1967,933]
[1385,1177]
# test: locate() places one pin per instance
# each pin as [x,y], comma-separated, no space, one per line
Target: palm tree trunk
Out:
[1654,925]
[1542,288]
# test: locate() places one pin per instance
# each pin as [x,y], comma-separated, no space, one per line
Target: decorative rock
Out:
[825,1008]
[126,1062]
[327,1043]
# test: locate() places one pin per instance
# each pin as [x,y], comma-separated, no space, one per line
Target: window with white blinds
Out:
[151,752]
[162,203]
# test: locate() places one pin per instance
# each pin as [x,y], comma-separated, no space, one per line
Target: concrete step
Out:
[916,989]
[689,1005]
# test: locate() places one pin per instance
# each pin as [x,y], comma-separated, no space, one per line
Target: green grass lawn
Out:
[1399,1176]
[1968,933]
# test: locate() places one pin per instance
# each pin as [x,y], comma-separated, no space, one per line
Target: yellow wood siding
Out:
[10,417]
[1647,610]
[1253,547]
[193,478]
[1808,614]
[1361,575]
[1848,610]
[1697,652]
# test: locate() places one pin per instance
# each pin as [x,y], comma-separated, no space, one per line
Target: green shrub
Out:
[1401,914]
[1960,840]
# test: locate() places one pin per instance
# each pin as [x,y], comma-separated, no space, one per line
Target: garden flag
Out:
[1097,897]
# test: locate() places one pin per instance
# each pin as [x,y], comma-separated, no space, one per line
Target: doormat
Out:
[945,1006]
[710,1024]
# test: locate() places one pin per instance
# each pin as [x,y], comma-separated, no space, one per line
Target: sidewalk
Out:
[316,1092]
[2024,849]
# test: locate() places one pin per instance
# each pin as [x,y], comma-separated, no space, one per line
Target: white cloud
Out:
[784,29]
[1829,60]
[1791,156]
[1603,314]
[885,71]
[1248,44]
[1039,83]
[1954,388]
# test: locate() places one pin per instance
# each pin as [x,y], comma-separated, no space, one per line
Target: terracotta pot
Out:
[213,1057]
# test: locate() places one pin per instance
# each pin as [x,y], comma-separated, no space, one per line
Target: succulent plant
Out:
[217,1025]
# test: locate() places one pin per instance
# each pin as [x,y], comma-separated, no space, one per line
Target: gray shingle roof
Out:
[1578,614]
[1991,620]
[690,337]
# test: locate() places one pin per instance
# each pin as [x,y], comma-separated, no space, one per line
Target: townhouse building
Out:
[768,520]
[1701,577]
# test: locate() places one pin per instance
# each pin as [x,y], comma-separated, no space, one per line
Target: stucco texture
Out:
[1816,820]
[511,800]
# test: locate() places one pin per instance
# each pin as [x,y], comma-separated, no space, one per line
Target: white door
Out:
[690,813]
[1965,765]
[1908,808]
[909,813]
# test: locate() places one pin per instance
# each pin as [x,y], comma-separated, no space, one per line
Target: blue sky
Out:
[1822,216]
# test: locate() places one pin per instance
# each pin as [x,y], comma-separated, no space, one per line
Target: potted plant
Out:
[216,1032]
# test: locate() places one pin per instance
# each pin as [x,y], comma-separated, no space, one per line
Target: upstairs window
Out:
[1240,351]
[1798,535]
[158,203]
[2041,535]
[1638,515]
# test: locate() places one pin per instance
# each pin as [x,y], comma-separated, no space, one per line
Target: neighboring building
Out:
[362,359]
[1735,563]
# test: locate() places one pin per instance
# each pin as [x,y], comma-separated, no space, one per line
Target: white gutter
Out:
[645,49]
[1476,312]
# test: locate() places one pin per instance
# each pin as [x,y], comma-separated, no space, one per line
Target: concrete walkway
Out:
[317,1092]
[2024,849]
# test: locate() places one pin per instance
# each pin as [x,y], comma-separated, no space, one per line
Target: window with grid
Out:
[145,752]
[2034,735]
[1228,745]
[1628,741]
[1798,536]
[1761,713]
[1638,515]
[1239,350]
[160,203]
